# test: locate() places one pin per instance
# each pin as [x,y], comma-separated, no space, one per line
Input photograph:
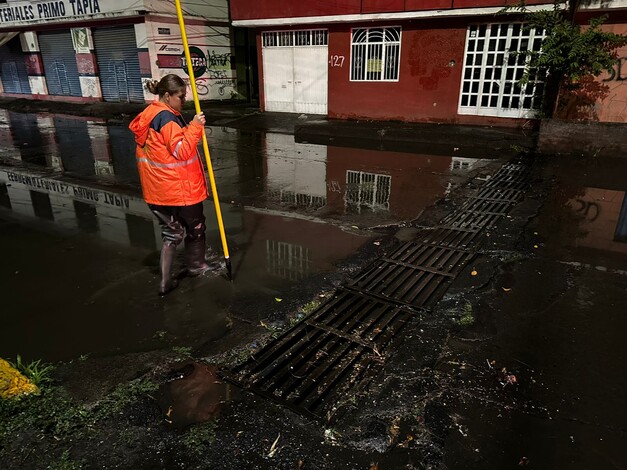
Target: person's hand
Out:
[200,119]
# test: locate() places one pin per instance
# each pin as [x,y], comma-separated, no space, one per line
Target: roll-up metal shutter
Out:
[59,60]
[118,62]
[13,68]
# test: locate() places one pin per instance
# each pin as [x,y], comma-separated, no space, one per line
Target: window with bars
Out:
[375,54]
[315,37]
[368,191]
[288,261]
[493,67]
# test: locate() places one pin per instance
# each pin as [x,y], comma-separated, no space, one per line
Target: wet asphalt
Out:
[532,380]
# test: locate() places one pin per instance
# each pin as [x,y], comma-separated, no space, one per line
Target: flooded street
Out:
[82,238]
[553,316]
[516,365]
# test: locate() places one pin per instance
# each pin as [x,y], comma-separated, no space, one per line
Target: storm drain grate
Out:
[412,275]
[340,346]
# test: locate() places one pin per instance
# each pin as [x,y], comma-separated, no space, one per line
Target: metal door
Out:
[311,79]
[13,70]
[295,69]
[118,62]
[278,70]
[60,69]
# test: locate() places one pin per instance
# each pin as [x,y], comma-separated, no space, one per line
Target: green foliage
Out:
[182,352]
[52,412]
[66,463]
[122,396]
[199,437]
[569,52]
[36,371]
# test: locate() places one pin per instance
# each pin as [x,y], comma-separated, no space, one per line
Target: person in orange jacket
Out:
[172,176]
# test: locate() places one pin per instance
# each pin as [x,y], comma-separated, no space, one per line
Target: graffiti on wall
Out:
[212,69]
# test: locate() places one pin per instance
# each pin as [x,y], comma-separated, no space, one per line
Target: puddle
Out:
[194,394]
[83,239]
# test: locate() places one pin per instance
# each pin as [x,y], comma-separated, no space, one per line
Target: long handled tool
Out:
[214,190]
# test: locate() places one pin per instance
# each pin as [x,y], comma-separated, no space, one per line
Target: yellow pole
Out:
[214,190]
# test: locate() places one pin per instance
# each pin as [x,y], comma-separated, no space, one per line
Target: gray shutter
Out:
[13,68]
[118,63]
[59,60]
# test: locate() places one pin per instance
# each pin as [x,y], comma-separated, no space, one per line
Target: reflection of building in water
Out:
[603,219]
[115,217]
[283,248]
[295,173]
[287,260]
[367,191]
[465,164]
[399,184]
[77,145]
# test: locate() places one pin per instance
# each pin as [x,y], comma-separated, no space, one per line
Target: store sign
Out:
[199,61]
[21,12]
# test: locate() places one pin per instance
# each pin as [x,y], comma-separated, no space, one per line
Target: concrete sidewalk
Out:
[423,138]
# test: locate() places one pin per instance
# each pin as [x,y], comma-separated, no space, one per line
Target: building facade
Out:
[104,50]
[410,60]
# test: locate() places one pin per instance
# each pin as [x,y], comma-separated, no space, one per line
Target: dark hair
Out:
[170,83]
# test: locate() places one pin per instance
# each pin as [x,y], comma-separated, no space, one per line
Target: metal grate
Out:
[343,344]
[315,363]
[412,275]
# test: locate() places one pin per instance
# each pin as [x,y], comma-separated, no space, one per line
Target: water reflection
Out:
[261,169]
[602,215]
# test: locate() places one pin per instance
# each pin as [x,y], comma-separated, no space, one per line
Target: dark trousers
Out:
[180,223]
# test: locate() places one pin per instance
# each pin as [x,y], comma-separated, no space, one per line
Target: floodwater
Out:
[79,272]
[559,329]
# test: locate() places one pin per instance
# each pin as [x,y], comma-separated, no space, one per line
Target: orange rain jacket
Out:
[170,168]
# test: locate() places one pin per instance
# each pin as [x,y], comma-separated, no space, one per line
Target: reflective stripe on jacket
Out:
[170,168]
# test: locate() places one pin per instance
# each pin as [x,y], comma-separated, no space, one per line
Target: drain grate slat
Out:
[449,237]
[418,268]
[473,220]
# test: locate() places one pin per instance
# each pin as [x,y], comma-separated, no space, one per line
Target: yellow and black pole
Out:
[214,189]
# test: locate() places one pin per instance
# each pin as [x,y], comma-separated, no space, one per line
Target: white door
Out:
[278,71]
[295,71]
[311,72]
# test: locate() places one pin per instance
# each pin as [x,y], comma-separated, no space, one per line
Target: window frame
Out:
[502,83]
[384,54]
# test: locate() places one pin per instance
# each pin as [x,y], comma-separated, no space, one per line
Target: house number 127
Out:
[336,61]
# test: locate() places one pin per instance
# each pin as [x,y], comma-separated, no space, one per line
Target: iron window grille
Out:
[367,191]
[304,38]
[493,68]
[375,54]
[287,260]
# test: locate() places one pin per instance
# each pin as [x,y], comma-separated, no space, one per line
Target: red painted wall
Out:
[253,9]
[258,9]
[428,86]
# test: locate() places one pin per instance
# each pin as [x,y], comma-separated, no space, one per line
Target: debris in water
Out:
[505,378]
[274,447]
[506,289]
[278,300]
[473,272]
[524,461]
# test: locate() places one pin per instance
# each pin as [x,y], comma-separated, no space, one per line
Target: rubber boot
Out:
[195,257]
[168,253]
